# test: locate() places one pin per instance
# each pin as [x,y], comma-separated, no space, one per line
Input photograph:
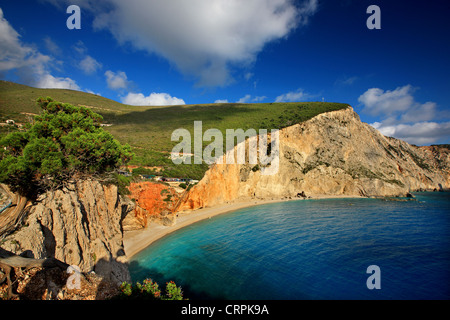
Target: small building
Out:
[165,179]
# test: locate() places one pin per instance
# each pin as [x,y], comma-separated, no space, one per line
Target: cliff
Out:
[331,154]
[79,225]
[153,202]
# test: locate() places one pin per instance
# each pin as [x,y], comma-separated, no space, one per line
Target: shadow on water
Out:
[141,273]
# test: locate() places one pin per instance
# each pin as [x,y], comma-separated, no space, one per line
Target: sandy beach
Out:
[137,240]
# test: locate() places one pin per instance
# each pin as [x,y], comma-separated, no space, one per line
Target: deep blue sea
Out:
[310,249]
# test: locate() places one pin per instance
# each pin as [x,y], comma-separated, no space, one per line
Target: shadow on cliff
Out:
[36,283]
[113,273]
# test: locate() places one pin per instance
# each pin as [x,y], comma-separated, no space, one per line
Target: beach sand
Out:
[137,240]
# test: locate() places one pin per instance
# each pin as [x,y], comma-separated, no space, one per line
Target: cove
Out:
[309,249]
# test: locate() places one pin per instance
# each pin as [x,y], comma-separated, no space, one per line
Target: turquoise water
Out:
[310,249]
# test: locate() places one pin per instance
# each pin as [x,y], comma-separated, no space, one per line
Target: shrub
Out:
[182,185]
[150,290]
[64,141]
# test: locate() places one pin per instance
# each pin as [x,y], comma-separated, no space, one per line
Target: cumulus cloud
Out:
[420,133]
[117,80]
[377,101]
[403,117]
[203,39]
[293,96]
[31,66]
[154,99]
[49,81]
[89,65]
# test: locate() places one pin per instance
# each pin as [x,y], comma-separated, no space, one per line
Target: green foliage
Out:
[143,171]
[173,292]
[150,290]
[63,141]
[148,129]
[122,182]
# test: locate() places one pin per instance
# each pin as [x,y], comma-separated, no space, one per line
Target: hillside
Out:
[148,129]
[333,154]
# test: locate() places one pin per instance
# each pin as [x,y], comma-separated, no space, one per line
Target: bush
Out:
[122,182]
[64,141]
[150,290]
[183,185]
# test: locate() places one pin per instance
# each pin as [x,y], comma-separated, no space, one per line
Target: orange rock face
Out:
[332,154]
[151,199]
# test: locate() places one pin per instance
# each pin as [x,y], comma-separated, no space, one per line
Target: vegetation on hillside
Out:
[64,141]
[148,129]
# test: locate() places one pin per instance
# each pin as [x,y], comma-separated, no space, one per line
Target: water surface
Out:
[310,249]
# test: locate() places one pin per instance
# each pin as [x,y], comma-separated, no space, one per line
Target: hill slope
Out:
[17,99]
[148,129]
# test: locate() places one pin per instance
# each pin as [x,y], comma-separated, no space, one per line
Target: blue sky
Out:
[205,51]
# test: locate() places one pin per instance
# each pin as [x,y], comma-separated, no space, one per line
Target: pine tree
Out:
[64,142]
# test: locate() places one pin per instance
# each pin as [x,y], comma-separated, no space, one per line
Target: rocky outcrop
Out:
[153,202]
[79,225]
[331,154]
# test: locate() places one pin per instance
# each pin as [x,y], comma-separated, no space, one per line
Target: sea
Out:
[338,249]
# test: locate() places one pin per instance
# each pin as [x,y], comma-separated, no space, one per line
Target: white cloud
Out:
[30,65]
[50,82]
[154,99]
[245,99]
[203,39]
[52,46]
[117,80]
[248,98]
[221,101]
[92,92]
[89,65]
[377,101]
[248,76]
[293,96]
[419,133]
[14,54]
[259,98]
[401,116]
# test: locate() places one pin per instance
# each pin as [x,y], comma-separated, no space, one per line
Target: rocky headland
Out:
[332,154]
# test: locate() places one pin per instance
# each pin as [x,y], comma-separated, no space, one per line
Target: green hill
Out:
[148,129]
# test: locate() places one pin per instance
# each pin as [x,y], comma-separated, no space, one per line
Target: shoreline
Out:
[137,240]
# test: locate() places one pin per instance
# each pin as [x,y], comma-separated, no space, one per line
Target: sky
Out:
[170,52]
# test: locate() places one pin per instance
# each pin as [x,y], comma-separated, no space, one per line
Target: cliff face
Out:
[79,225]
[153,201]
[332,154]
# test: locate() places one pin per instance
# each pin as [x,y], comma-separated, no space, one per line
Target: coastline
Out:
[137,240]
